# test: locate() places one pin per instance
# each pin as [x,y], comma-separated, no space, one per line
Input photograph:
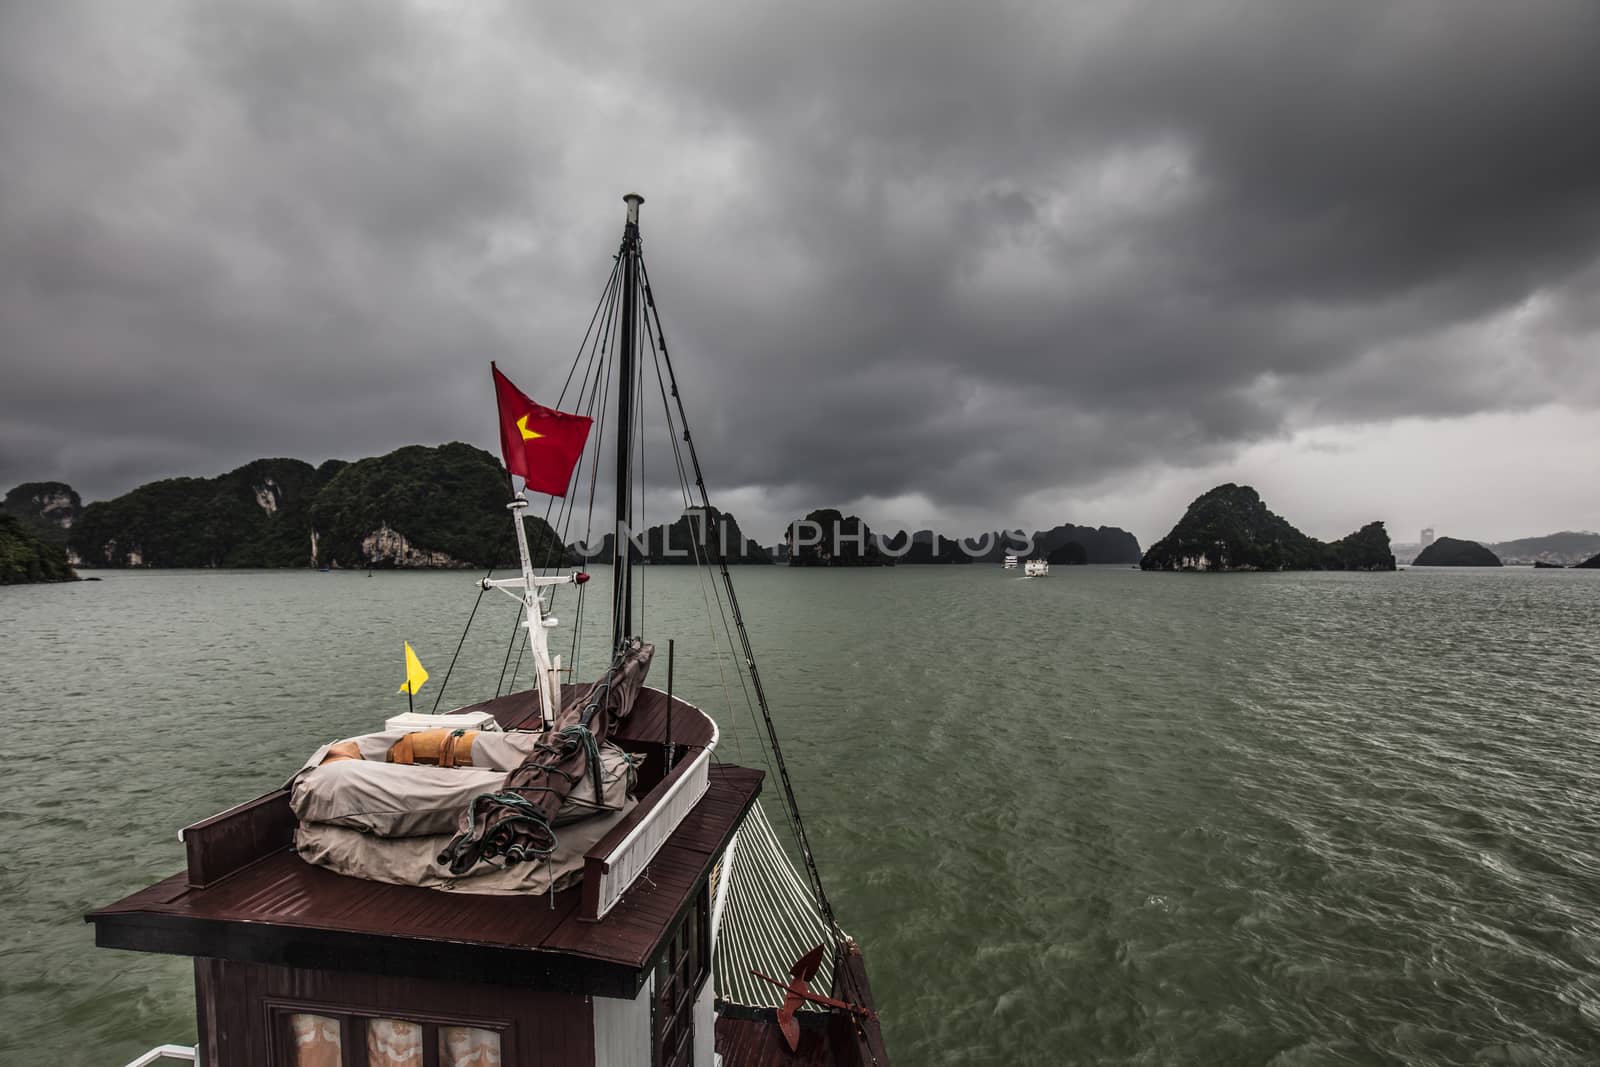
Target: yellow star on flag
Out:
[527,434]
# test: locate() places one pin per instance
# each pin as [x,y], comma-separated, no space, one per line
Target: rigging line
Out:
[550,547]
[607,298]
[516,621]
[438,694]
[701,569]
[744,636]
[598,364]
[638,437]
[515,668]
[602,388]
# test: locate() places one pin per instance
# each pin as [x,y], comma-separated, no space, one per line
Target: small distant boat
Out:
[1010,563]
[1036,568]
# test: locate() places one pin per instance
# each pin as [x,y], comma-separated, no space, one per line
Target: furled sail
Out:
[517,823]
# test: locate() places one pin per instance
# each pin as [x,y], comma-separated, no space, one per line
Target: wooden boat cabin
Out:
[298,966]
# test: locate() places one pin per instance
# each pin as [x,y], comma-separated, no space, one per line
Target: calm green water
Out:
[1103,818]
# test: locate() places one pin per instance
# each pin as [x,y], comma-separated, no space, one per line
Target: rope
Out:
[744,636]
[439,693]
[769,921]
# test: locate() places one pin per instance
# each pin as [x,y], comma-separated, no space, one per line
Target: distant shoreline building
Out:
[1427,537]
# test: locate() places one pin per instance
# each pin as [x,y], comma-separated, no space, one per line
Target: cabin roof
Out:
[248,896]
[281,909]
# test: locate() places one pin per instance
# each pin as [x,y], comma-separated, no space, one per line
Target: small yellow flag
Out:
[415,675]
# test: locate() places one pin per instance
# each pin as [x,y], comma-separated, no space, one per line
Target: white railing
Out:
[174,1053]
[633,853]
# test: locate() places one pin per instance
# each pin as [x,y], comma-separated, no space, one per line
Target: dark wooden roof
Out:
[280,909]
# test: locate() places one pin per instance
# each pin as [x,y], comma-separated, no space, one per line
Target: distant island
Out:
[415,507]
[1453,552]
[699,535]
[1230,529]
[1592,563]
[827,538]
[441,507]
[1567,548]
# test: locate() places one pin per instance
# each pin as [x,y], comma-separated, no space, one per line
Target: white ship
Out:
[1036,568]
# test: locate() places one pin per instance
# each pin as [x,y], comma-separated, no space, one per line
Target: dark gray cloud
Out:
[955,254]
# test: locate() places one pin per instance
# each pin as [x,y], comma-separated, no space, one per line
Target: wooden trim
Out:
[630,839]
[378,954]
[233,839]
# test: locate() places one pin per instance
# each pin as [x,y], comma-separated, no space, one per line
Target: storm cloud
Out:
[955,255]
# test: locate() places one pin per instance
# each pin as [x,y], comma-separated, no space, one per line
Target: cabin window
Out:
[345,1040]
[680,973]
[315,1040]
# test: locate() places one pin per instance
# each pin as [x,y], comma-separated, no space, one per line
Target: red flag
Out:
[539,443]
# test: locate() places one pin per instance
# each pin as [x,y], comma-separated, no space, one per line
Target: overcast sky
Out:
[974,265]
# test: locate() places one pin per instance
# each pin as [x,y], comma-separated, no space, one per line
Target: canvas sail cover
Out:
[396,800]
[517,822]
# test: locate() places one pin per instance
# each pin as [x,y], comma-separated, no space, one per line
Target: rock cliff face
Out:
[825,538]
[25,557]
[47,510]
[1592,563]
[1452,552]
[1230,529]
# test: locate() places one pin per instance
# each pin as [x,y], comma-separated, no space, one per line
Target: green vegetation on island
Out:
[415,507]
[1230,529]
[26,557]
[1453,552]
[424,507]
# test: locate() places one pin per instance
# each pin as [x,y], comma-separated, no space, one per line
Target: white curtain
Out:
[394,1043]
[316,1040]
[467,1046]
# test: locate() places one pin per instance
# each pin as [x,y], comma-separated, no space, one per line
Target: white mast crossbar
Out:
[535,614]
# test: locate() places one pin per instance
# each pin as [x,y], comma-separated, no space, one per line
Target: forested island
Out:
[415,507]
[1231,529]
[1453,552]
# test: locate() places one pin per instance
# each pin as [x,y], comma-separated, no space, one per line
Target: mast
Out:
[621,558]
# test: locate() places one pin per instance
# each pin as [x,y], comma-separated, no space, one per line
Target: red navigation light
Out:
[581,577]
